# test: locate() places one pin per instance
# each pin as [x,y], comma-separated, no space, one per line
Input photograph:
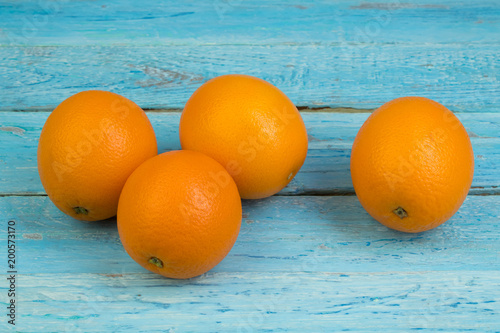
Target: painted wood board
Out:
[318,262]
[326,170]
[464,78]
[320,53]
[279,234]
[121,22]
[262,302]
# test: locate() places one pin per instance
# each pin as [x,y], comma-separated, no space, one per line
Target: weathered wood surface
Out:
[326,170]
[264,302]
[123,22]
[311,75]
[279,234]
[315,262]
[320,53]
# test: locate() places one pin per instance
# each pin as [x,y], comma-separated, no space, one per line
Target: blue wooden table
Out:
[307,259]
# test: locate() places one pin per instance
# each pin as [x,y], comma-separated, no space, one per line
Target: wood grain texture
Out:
[326,170]
[320,53]
[262,302]
[88,22]
[279,234]
[315,262]
[311,75]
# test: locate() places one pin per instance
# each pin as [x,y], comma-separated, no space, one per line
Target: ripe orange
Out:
[412,164]
[179,214]
[251,128]
[88,147]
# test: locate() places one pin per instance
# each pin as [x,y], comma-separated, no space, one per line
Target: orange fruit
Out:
[88,147]
[179,214]
[412,164]
[251,128]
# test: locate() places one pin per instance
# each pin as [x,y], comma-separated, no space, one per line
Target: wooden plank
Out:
[319,262]
[278,234]
[36,23]
[326,170]
[342,53]
[261,302]
[312,75]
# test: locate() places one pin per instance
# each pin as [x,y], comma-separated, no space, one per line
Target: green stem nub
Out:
[400,212]
[81,210]
[156,261]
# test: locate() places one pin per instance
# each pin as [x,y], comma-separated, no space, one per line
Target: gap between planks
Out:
[177,110]
[308,109]
[475,191]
